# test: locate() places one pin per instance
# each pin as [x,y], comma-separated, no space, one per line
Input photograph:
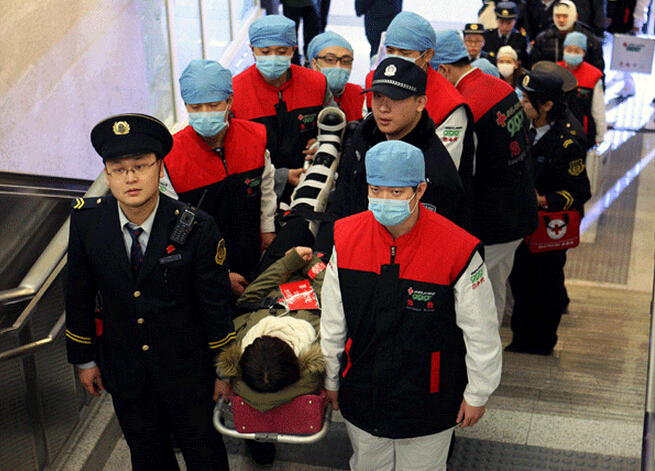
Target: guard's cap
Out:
[327,39]
[506,10]
[205,81]
[398,79]
[507,51]
[575,38]
[272,30]
[544,84]
[485,66]
[473,28]
[395,164]
[125,135]
[569,82]
[449,48]
[410,31]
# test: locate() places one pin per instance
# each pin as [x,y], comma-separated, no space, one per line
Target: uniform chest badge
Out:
[221,252]
[576,167]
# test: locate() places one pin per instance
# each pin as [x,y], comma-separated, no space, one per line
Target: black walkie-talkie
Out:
[184,223]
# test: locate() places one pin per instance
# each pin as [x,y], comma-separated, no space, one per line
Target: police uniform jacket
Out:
[517,40]
[560,173]
[408,327]
[504,205]
[538,17]
[233,180]
[289,112]
[161,330]
[549,46]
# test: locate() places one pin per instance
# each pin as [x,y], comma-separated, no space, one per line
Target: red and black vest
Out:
[289,112]
[504,204]
[403,373]
[233,182]
[351,102]
[580,102]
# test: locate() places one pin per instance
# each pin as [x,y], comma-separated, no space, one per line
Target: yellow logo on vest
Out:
[576,167]
[221,252]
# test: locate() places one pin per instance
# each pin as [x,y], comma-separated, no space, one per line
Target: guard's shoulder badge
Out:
[86,203]
[576,167]
[221,252]
[568,142]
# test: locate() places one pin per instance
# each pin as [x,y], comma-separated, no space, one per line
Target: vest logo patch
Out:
[477,277]
[576,167]
[420,300]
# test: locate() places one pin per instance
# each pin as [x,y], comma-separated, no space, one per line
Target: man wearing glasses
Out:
[331,54]
[146,314]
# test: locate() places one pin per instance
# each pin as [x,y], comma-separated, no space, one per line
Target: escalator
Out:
[40,400]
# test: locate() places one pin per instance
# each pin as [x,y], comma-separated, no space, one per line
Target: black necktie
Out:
[532,133]
[503,40]
[136,254]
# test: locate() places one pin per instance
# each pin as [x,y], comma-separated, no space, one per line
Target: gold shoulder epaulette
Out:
[86,203]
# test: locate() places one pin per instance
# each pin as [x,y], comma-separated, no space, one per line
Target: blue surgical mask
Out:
[390,212]
[272,67]
[573,60]
[208,123]
[337,78]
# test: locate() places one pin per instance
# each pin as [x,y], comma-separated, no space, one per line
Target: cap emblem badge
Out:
[526,80]
[121,127]
[474,27]
[390,71]
[505,13]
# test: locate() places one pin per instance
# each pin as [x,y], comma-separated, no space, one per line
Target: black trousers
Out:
[540,298]
[148,422]
[311,23]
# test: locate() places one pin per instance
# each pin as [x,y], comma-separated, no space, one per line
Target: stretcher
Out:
[304,420]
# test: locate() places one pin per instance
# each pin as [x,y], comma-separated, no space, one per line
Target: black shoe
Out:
[262,453]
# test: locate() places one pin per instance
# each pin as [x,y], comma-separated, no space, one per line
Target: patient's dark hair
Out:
[269,364]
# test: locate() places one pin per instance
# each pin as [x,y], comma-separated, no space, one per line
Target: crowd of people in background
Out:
[457,144]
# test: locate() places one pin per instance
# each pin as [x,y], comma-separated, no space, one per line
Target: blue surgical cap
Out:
[272,30]
[485,66]
[576,39]
[449,48]
[327,39]
[395,163]
[410,31]
[205,81]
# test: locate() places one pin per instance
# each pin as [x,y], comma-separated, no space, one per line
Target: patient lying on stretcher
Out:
[277,355]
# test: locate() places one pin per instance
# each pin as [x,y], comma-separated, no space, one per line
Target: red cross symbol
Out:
[556,229]
[501,119]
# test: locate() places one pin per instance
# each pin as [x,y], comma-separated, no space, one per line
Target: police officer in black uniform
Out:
[506,34]
[474,41]
[561,182]
[165,304]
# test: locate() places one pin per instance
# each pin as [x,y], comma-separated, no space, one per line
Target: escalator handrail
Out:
[33,347]
[49,259]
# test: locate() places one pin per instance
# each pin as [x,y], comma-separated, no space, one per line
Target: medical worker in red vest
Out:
[228,158]
[587,101]
[331,54]
[284,97]
[412,38]
[504,201]
[408,326]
